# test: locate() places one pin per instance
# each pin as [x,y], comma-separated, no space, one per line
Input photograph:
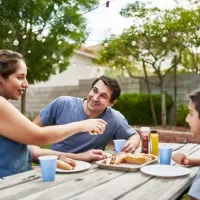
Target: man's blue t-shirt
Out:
[195,188]
[68,109]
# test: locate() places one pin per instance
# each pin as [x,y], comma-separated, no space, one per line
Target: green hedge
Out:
[181,114]
[136,107]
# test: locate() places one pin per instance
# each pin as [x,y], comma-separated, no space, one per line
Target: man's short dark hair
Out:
[195,98]
[112,83]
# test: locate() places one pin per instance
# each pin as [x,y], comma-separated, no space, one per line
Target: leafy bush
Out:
[181,114]
[136,107]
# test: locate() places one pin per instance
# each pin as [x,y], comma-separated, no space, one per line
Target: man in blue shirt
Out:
[103,95]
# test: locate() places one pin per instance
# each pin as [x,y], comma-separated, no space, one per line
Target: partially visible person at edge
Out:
[66,109]
[16,131]
[193,119]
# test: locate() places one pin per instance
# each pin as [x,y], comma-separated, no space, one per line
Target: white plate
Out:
[80,166]
[165,170]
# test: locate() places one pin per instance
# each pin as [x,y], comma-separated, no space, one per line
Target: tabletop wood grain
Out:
[97,183]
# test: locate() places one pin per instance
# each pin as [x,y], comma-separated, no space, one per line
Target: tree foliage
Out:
[159,38]
[47,32]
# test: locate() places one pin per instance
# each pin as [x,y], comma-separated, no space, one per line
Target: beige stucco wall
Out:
[74,72]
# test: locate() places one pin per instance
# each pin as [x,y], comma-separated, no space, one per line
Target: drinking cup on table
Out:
[48,167]
[165,155]
[118,144]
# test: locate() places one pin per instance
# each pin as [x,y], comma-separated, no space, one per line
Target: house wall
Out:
[186,83]
[74,72]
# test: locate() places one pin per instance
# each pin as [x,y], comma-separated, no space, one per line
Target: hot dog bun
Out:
[65,163]
[130,158]
[93,133]
[116,159]
[137,159]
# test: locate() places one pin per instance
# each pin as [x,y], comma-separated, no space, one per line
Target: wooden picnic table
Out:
[96,183]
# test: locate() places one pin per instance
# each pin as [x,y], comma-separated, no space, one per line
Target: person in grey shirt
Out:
[102,96]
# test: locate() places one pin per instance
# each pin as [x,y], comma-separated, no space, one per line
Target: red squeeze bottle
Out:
[145,131]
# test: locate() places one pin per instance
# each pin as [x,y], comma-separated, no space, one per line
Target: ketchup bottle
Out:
[145,131]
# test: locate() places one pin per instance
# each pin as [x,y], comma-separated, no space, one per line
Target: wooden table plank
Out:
[162,188]
[35,186]
[17,179]
[174,146]
[76,186]
[113,188]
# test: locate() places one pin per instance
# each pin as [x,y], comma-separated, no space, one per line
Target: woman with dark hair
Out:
[16,131]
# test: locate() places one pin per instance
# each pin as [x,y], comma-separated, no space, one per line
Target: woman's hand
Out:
[95,125]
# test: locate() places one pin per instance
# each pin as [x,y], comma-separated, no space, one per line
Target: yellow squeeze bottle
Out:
[154,142]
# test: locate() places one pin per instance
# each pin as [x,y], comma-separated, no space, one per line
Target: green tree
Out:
[156,40]
[46,32]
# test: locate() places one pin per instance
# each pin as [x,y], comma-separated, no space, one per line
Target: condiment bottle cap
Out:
[145,129]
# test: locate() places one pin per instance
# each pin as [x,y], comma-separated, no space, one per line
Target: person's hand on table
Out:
[180,158]
[129,147]
[93,155]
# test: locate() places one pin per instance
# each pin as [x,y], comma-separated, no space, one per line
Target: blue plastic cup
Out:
[165,155]
[48,167]
[118,145]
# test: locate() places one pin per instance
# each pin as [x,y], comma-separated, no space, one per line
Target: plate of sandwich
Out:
[127,161]
[67,165]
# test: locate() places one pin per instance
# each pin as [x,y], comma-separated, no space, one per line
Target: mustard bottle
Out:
[154,142]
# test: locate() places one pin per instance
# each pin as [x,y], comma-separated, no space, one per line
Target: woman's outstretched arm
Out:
[17,127]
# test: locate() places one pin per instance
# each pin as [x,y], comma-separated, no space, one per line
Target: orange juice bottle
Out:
[154,142]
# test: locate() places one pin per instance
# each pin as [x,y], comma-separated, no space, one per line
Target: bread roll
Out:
[116,159]
[96,133]
[137,159]
[62,165]
[68,160]
[66,163]
[93,133]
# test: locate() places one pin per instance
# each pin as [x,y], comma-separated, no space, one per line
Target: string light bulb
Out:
[54,56]
[16,42]
[39,37]
[164,39]
[106,44]
[133,43]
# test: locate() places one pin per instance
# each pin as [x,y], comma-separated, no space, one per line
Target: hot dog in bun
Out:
[65,163]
